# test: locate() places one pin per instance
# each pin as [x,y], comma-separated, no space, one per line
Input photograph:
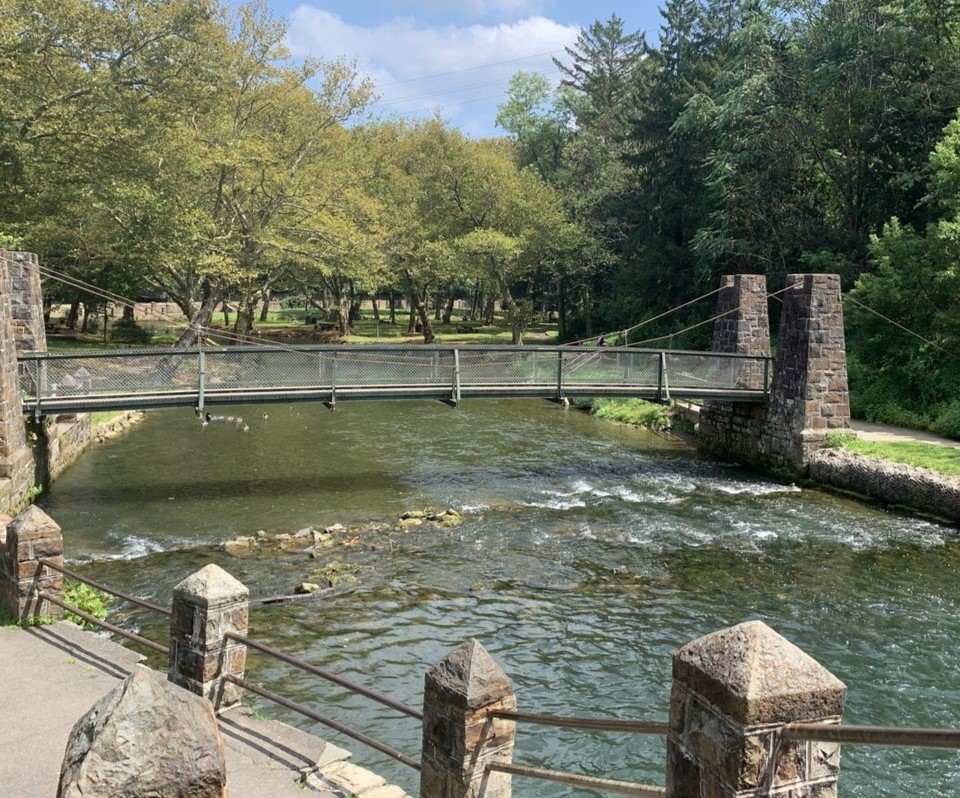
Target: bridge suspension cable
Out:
[773,295]
[645,322]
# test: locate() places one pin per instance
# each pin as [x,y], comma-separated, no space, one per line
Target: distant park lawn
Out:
[944,459]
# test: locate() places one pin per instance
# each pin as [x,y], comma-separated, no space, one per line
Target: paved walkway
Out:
[887,434]
[51,676]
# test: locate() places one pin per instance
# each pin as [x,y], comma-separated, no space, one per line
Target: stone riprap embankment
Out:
[893,483]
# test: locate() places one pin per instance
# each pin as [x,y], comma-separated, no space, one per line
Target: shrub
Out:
[129,332]
[86,598]
[947,421]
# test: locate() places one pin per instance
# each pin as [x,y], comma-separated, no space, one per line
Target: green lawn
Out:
[944,459]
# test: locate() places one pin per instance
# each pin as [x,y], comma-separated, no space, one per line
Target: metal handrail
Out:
[104,624]
[394,348]
[580,780]
[105,588]
[873,735]
[333,724]
[328,675]
[658,728]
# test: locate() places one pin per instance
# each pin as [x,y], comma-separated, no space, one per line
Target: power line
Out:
[444,92]
[470,69]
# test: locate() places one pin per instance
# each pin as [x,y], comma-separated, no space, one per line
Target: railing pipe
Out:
[579,780]
[456,377]
[873,735]
[104,624]
[105,588]
[590,724]
[559,374]
[201,378]
[328,675]
[333,724]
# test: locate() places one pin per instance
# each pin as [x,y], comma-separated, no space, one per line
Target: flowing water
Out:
[589,552]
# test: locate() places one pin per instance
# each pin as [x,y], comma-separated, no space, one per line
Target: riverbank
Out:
[53,674]
[918,472]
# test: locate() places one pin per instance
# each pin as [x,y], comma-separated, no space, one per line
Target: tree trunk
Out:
[477,303]
[448,311]
[587,312]
[265,295]
[412,321]
[86,318]
[245,311]
[73,314]
[490,309]
[517,323]
[562,310]
[226,313]
[128,314]
[200,320]
[423,313]
[393,307]
[376,308]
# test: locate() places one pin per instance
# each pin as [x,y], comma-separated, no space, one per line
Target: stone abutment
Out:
[807,392]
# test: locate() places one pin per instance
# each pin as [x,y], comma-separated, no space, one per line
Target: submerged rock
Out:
[306,587]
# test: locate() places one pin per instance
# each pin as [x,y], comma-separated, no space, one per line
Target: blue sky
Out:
[449,57]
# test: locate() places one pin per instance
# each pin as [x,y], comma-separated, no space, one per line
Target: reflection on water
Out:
[588,554]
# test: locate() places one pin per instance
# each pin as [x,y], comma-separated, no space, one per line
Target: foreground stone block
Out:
[146,738]
[459,737]
[732,691]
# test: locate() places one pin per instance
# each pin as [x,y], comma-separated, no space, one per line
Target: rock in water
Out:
[146,738]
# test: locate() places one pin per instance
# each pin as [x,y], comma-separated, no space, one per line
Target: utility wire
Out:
[469,69]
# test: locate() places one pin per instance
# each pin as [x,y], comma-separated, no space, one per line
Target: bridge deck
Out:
[112,379]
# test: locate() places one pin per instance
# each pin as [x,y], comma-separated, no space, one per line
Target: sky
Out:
[449,57]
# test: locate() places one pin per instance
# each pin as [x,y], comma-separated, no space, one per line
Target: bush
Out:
[86,598]
[129,332]
[947,421]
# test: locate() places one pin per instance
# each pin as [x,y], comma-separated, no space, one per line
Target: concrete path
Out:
[50,676]
[887,434]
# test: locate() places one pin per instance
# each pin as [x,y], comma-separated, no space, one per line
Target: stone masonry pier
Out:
[808,395]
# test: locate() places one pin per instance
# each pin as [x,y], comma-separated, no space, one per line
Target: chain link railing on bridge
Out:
[74,382]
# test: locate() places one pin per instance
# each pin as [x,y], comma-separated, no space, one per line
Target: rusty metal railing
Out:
[93,619]
[342,681]
[873,735]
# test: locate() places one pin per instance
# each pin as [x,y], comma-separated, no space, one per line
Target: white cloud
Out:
[411,63]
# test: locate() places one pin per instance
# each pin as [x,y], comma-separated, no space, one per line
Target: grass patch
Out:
[103,416]
[943,459]
[632,411]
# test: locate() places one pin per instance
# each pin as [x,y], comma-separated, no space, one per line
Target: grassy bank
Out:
[943,459]
[632,411]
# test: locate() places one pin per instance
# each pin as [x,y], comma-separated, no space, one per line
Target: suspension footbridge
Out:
[76,382]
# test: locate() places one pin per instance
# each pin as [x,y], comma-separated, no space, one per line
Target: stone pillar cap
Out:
[33,524]
[755,676]
[211,585]
[469,677]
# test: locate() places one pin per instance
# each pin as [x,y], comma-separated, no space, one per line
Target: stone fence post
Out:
[31,536]
[207,605]
[459,737]
[732,692]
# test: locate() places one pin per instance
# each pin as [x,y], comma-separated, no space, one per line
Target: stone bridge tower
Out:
[808,394]
[21,329]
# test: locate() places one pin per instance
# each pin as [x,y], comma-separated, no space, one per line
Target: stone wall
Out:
[893,483]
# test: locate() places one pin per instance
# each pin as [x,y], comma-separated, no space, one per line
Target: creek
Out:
[588,553]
